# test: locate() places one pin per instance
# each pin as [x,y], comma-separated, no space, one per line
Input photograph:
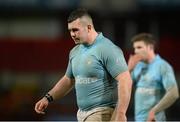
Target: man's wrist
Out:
[120,111]
[49,97]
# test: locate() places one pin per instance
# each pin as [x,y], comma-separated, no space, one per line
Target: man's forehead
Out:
[74,23]
[139,43]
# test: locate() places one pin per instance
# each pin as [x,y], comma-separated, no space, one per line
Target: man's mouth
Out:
[76,39]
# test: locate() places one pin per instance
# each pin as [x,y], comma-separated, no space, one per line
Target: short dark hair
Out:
[78,13]
[145,37]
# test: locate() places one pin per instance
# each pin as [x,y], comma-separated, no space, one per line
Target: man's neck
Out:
[151,57]
[92,38]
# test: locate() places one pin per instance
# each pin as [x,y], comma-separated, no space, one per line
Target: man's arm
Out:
[168,99]
[133,60]
[124,94]
[63,86]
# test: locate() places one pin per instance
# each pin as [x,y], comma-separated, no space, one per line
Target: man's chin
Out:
[77,42]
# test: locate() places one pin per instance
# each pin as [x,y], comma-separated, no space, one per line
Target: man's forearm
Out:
[124,92]
[168,99]
[63,86]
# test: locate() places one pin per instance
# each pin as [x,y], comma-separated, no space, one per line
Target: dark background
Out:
[35,43]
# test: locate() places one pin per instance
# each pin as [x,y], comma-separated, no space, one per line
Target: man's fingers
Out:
[39,108]
[40,112]
[36,107]
[137,57]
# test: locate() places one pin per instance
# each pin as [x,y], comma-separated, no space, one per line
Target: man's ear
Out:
[89,27]
[151,47]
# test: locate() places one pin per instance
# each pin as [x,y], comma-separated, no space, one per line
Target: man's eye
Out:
[74,30]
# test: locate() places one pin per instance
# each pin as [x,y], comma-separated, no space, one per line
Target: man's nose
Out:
[135,50]
[72,34]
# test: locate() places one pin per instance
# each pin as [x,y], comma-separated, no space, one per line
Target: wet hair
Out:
[78,13]
[147,38]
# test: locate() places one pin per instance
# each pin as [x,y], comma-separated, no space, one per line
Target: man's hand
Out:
[120,117]
[151,116]
[41,105]
[133,60]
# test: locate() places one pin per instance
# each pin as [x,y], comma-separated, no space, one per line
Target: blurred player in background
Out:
[98,71]
[154,80]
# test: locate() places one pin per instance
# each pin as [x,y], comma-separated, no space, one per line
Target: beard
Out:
[77,40]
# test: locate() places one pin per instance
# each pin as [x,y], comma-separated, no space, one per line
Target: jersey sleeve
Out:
[114,61]
[69,70]
[168,77]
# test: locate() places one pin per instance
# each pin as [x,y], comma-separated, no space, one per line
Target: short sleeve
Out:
[114,61]
[69,72]
[168,77]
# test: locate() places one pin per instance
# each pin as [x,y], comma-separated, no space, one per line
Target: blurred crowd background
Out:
[35,43]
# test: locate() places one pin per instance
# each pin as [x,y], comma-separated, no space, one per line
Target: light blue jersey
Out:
[94,68]
[151,82]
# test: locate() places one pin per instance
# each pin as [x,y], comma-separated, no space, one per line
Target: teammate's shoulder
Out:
[107,44]
[74,49]
[164,63]
[161,60]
